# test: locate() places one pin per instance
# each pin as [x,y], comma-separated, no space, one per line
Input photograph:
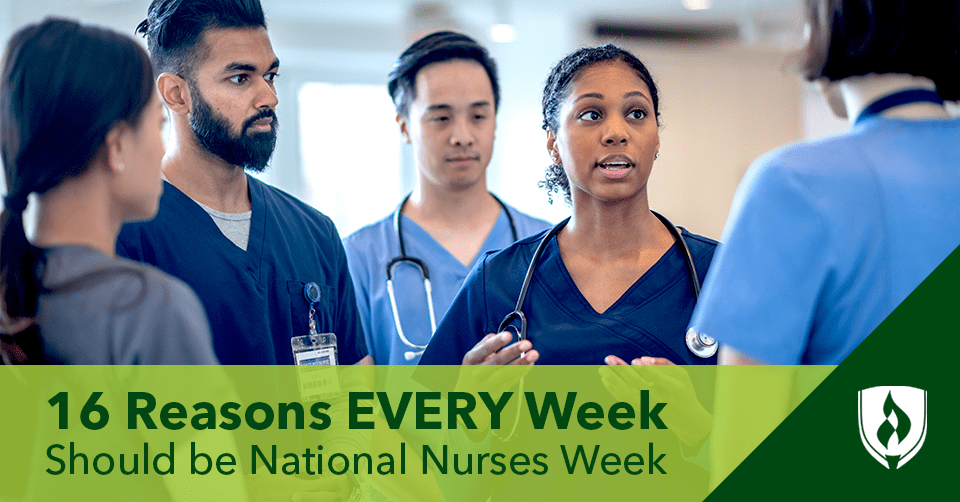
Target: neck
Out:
[613,229]
[859,92]
[453,207]
[203,176]
[79,211]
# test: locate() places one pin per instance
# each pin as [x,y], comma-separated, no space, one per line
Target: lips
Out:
[263,121]
[463,160]
[615,162]
[615,166]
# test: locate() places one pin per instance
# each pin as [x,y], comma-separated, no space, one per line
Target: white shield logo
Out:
[893,423]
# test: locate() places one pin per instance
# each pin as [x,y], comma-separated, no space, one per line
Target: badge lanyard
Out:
[313,351]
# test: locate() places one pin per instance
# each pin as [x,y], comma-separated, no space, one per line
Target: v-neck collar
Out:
[253,256]
[413,232]
[644,289]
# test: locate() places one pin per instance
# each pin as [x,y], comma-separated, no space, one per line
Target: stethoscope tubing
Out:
[424,273]
[517,312]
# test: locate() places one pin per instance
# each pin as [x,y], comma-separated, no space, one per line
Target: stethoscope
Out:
[425,274]
[897,99]
[700,345]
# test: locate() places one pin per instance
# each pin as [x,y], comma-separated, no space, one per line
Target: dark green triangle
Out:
[817,454]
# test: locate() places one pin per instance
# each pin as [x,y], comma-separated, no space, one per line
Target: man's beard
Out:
[251,152]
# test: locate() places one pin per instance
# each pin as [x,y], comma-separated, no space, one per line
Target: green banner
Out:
[363,433]
[883,425]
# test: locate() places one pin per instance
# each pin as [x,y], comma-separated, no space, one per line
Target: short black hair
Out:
[557,86]
[860,37]
[435,48]
[174,28]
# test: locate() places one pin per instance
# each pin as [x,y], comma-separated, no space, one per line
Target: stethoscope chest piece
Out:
[701,345]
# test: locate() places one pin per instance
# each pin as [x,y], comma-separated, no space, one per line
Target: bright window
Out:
[351,153]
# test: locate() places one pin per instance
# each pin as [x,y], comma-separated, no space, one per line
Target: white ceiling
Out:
[368,33]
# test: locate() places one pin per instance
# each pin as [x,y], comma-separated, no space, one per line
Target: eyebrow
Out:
[600,96]
[589,95]
[238,66]
[444,106]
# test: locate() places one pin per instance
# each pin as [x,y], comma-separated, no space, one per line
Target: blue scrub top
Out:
[370,248]
[825,239]
[254,297]
[650,319]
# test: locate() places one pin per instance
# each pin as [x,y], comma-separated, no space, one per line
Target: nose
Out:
[615,131]
[266,95]
[462,133]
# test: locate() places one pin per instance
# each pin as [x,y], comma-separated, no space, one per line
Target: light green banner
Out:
[381,433]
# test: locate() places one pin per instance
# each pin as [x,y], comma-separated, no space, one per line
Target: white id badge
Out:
[316,358]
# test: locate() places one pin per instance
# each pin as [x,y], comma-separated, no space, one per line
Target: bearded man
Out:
[266,266]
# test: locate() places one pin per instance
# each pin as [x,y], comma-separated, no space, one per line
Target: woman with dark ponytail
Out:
[80,127]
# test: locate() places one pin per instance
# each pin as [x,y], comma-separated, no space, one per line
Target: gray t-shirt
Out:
[121,312]
[235,226]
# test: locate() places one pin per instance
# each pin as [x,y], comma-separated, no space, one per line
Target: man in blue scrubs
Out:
[246,248]
[446,93]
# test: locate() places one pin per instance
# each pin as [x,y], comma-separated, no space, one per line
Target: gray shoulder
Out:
[159,319]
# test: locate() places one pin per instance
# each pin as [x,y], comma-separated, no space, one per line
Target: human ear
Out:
[404,133]
[552,148]
[113,150]
[174,93]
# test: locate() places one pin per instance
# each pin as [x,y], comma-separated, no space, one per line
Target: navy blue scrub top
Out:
[254,298]
[650,319]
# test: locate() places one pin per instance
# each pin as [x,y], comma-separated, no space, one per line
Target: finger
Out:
[327,483]
[628,379]
[614,361]
[652,361]
[615,388]
[481,352]
[512,353]
[528,357]
[316,497]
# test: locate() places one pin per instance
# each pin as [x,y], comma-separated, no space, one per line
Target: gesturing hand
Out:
[670,383]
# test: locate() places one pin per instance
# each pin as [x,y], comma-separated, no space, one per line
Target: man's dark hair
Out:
[435,48]
[174,28]
[859,37]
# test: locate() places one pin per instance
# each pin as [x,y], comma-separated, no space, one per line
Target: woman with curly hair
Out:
[612,283]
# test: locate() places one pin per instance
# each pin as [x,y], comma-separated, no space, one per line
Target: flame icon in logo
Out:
[899,424]
[887,430]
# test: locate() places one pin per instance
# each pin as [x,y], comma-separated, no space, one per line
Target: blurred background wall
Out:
[728,91]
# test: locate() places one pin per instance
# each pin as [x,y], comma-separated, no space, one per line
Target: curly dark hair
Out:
[555,91]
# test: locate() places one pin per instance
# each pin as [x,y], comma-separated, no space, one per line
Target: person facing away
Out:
[251,251]
[826,237]
[612,284]
[446,93]
[90,148]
